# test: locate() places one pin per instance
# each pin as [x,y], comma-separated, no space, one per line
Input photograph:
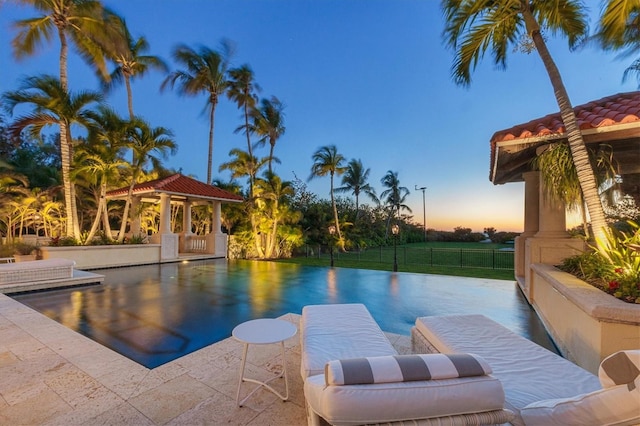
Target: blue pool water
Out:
[155,314]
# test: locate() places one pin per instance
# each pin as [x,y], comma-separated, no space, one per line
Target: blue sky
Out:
[369,76]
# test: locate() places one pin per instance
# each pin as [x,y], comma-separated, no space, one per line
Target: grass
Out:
[424,258]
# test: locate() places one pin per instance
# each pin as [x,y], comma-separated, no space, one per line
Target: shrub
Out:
[63,242]
[24,248]
[614,267]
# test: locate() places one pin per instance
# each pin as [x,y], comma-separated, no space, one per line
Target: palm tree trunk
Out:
[127,206]
[127,83]
[272,143]
[335,215]
[210,157]
[579,152]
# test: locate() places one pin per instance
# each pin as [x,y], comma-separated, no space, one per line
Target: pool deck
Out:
[51,375]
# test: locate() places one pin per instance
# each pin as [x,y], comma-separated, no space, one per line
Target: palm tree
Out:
[268,122]
[100,161]
[205,71]
[355,180]
[475,26]
[395,195]
[128,55]
[53,105]
[242,88]
[327,161]
[619,29]
[77,20]
[149,145]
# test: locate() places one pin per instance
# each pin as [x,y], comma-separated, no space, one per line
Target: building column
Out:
[186,217]
[216,239]
[165,214]
[552,243]
[531,215]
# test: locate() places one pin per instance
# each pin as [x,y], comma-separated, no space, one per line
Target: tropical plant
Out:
[473,27]
[613,266]
[100,163]
[242,90]
[327,161]
[268,122]
[53,105]
[394,196]
[205,72]
[149,145]
[560,177]
[355,180]
[619,29]
[128,56]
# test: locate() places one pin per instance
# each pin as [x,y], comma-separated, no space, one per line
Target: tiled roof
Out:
[616,109]
[179,184]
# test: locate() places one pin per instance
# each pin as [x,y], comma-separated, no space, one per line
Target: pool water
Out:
[157,313]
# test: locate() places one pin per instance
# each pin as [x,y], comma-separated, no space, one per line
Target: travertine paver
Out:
[50,375]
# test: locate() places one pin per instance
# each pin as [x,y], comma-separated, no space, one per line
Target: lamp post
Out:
[395,229]
[332,230]
[424,211]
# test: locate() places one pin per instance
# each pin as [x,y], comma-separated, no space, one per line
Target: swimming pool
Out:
[157,313]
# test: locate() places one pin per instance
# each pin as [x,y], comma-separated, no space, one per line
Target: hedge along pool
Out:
[156,313]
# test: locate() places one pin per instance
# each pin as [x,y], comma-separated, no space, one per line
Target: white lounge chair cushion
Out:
[389,402]
[528,372]
[329,332]
[619,368]
[403,368]
[617,405]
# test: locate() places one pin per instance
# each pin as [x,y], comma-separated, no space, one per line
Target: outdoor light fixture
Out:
[332,231]
[395,230]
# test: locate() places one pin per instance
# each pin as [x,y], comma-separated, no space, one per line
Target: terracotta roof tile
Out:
[616,109]
[179,184]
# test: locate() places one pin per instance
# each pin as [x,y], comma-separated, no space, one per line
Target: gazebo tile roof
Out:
[179,184]
[611,110]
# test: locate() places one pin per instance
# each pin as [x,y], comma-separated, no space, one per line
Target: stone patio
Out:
[50,375]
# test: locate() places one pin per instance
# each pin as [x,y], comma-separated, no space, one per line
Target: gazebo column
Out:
[531,218]
[185,244]
[551,244]
[216,240]
[168,241]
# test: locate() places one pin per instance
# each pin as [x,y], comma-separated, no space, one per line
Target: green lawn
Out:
[479,260]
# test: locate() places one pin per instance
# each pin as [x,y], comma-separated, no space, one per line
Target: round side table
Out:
[263,332]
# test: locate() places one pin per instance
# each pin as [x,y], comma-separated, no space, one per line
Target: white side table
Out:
[263,332]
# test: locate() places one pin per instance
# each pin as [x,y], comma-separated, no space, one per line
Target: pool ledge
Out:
[586,324]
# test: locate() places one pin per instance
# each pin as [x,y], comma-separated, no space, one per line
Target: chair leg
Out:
[312,418]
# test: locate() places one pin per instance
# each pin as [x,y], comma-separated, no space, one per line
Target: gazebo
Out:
[614,120]
[188,192]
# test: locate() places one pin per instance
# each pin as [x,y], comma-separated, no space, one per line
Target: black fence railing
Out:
[455,257]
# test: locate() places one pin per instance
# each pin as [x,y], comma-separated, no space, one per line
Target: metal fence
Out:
[455,257]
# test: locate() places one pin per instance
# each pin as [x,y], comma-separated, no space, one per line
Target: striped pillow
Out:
[403,368]
[620,368]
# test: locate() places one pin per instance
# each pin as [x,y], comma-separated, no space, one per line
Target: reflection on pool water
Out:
[154,314]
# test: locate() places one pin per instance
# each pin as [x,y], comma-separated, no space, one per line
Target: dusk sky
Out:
[371,77]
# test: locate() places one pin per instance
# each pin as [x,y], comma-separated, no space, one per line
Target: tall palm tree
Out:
[149,145]
[395,195]
[53,105]
[242,90]
[128,55]
[78,21]
[327,161]
[268,122]
[619,29]
[355,180]
[474,26]
[205,72]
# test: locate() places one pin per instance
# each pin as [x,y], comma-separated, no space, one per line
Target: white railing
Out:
[197,244]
